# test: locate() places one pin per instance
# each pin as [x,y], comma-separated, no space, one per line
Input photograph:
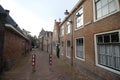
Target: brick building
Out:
[49,38]
[55,39]
[90,38]
[45,41]
[41,38]
[14,44]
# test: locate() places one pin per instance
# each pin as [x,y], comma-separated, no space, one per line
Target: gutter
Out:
[11,27]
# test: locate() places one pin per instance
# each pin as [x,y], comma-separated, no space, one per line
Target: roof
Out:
[8,21]
[42,33]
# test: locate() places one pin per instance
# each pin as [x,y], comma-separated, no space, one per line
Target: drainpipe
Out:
[1,44]
[51,43]
[72,43]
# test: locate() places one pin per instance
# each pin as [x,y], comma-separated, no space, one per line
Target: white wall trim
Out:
[10,26]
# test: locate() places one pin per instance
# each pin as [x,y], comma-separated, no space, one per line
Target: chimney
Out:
[7,11]
[59,19]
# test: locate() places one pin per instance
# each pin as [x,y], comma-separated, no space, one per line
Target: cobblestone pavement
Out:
[43,71]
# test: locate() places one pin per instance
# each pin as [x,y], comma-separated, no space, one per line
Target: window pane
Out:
[105,10]
[112,6]
[104,2]
[99,13]
[68,27]
[79,48]
[100,39]
[68,49]
[98,5]
[115,37]
[79,18]
[106,38]
[110,0]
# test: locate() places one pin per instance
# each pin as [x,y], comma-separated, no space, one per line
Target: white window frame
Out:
[75,19]
[96,53]
[109,14]
[62,31]
[66,50]
[68,27]
[83,59]
[62,47]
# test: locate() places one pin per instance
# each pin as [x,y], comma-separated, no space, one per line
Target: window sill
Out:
[81,27]
[95,20]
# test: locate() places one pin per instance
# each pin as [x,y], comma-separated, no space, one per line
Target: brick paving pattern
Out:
[43,71]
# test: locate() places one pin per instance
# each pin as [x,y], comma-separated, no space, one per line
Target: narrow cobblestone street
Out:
[58,70]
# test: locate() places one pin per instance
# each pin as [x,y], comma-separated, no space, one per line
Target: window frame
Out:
[107,15]
[62,47]
[96,51]
[68,27]
[62,30]
[83,59]
[75,19]
[66,50]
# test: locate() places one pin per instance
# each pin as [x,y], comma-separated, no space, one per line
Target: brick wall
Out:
[13,48]
[88,66]
[104,25]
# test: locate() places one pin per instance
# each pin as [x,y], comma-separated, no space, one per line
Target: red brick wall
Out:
[104,25]
[13,48]
[88,66]
[12,45]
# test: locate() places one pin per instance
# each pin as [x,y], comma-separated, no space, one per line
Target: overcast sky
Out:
[33,15]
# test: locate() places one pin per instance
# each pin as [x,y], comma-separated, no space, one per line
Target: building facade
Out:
[45,40]
[56,38]
[90,38]
[41,39]
[14,44]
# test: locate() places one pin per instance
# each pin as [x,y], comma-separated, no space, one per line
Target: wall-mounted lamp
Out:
[70,21]
[66,12]
[78,14]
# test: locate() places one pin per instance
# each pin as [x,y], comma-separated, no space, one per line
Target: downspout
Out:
[72,29]
[2,33]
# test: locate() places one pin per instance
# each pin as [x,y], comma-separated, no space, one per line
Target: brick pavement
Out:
[58,71]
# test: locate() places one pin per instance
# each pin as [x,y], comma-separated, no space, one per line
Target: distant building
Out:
[41,38]
[89,38]
[13,43]
[45,40]
[55,39]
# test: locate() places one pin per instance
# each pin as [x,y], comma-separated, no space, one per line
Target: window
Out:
[68,27]
[79,18]
[62,48]
[105,7]
[68,49]
[79,48]
[108,50]
[62,30]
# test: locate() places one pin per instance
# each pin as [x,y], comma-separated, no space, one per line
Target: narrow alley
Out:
[43,71]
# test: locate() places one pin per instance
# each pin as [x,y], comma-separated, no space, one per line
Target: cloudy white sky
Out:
[33,15]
